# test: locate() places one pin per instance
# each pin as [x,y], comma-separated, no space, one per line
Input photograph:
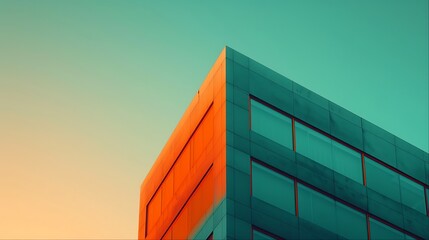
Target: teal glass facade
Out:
[328,152]
[302,167]
[271,124]
[334,216]
[280,192]
[382,231]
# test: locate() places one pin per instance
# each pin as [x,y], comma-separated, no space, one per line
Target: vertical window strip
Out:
[368,226]
[249,106]
[251,177]
[295,185]
[427,200]
[293,135]
[363,168]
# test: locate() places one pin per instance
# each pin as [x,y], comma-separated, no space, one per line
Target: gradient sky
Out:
[91,90]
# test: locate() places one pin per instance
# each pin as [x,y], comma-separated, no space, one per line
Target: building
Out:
[257,156]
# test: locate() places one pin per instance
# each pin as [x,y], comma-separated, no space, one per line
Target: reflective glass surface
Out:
[347,162]
[382,180]
[395,186]
[316,208]
[271,124]
[381,231]
[313,145]
[351,224]
[412,194]
[329,153]
[273,188]
[331,215]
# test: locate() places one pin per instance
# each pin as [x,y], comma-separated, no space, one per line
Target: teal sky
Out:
[91,90]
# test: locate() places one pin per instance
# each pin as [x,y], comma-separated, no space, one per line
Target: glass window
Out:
[351,224]
[347,162]
[313,145]
[331,215]
[412,194]
[257,235]
[395,186]
[273,188]
[382,180]
[329,153]
[382,231]
[271,124]
[316,208]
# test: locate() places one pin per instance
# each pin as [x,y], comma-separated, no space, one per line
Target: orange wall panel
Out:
[167,192]
[154,211]
[181,168]
[197,144]
[196,208]
[188,178]
[180,226]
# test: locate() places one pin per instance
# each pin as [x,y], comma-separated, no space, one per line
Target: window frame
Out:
[258,229]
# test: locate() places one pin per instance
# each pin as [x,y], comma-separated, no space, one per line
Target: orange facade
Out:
[189,177]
